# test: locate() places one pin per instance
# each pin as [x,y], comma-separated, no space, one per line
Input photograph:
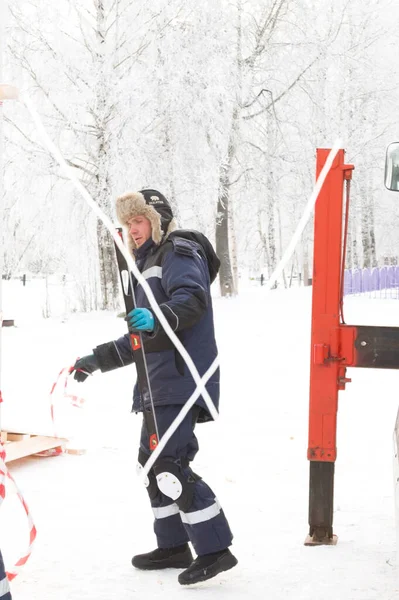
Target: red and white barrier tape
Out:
[75,401]
[4,475]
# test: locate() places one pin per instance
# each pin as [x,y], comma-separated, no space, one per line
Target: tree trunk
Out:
[271,235]
[108,270]
[365,239]
[305,265]
[349,249]
[280,240]
[170,162]
[227,287]
[355,254]
[106,250]
[226,278]
[367,227]
[373,248]
[271,193]
[233,241]
[265,258]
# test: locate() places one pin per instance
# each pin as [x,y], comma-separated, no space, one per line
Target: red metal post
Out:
[325,311]
[334,347]
[327,374]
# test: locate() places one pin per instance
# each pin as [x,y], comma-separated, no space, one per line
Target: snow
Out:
[92,513]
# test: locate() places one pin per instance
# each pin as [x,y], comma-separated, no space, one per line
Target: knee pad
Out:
[150,482]
[175,483]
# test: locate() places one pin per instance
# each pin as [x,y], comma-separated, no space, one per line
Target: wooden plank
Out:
[75,451]
[17,437]
[3,437]
[32,445]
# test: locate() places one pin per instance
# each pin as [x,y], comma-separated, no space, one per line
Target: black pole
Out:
[321,503]
[137,345]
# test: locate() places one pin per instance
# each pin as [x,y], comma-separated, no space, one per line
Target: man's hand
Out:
[84,367]
[140,319]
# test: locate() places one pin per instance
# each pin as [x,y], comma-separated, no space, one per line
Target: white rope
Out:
[275,275]
[201,382]
[305,216]
[175,424]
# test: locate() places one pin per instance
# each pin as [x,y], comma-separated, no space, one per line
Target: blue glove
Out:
[140,319]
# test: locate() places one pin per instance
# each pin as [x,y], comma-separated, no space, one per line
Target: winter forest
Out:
[220,105]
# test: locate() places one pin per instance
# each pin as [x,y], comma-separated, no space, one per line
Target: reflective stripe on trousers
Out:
[190,518]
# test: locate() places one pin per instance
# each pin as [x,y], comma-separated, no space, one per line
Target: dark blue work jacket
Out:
[177,273]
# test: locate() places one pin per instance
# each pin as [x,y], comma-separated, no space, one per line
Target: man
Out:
[179,272]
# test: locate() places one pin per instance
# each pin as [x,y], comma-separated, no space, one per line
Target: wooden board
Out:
[21,445]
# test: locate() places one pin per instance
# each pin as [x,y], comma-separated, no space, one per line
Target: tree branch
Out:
[231,183]
[284,93]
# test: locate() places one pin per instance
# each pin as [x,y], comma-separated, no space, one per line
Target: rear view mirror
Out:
[392,167]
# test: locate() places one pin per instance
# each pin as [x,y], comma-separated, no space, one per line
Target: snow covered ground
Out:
[92,514]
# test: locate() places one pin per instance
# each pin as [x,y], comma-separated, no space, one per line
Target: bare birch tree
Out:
[104,52]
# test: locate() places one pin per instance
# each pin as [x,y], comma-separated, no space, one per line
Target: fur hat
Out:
[150,204]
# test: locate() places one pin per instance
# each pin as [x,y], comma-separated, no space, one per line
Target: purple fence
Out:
[384,280]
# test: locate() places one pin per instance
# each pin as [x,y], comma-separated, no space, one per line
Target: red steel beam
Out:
[327,373]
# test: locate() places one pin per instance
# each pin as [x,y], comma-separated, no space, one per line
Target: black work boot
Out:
[207,566]
[179,557]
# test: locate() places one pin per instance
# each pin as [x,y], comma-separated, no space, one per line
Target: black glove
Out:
[84,367]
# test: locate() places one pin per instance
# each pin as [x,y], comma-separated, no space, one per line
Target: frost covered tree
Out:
[257,149]
[221,107]
[79,60]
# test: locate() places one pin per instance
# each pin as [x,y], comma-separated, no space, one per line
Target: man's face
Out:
[140,229]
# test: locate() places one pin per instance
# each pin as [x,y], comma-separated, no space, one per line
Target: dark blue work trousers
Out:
[203,523]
